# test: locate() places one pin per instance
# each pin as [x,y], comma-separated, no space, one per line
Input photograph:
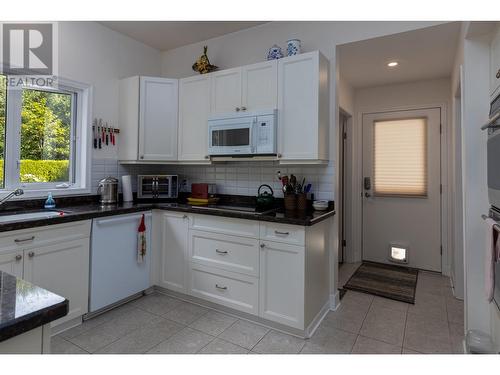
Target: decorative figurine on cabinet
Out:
[202,65]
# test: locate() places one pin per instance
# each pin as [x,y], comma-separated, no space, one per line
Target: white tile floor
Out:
[362,324]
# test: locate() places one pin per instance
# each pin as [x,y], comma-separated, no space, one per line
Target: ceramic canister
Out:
[293,47]
[274,53]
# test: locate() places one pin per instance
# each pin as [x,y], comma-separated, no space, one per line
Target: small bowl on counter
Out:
[320,205]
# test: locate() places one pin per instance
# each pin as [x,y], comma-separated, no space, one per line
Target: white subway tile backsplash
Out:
[231,178]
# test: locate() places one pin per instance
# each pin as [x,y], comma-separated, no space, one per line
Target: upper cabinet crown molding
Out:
[148,117]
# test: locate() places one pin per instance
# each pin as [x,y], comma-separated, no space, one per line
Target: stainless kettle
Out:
[108,189]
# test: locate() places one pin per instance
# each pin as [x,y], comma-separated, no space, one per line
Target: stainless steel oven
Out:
[493,151]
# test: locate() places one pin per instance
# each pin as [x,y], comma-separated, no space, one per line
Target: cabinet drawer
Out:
[231,253]
[28,238]
[226,225]
[292,234]
[236,291]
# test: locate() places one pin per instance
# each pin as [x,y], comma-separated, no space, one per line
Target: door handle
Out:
[220,252]
[367,195]
[220,287]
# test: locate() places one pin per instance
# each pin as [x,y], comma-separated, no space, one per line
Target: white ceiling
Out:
[165,35]
[422,54]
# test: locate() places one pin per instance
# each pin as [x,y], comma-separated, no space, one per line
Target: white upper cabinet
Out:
[495,63]
[303,108]
[226,91]
[260,86]
[247,88]
[148,119]
[194,110]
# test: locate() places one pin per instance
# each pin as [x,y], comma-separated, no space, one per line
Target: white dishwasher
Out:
[115,272]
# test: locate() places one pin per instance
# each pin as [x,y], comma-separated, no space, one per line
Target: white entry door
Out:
[401,188]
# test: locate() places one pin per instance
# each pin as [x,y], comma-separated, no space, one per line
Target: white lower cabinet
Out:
[278,272]
[62,268]
[230,289]
[55,258]
[174,251]
[12,263]
[282,283]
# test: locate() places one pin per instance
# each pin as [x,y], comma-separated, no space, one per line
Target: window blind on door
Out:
[400,157]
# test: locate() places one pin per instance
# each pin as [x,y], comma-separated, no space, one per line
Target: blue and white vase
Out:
[274,53]
[293,47]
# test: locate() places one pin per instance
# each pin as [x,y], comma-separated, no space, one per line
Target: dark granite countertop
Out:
[24,306]
[88,208]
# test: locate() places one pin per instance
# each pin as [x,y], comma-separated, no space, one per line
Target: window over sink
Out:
[43,140]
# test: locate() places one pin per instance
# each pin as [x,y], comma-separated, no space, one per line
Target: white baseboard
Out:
[317,320]
[335,300]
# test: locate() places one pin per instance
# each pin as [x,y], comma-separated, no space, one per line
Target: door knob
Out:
[19,257]
[368,195]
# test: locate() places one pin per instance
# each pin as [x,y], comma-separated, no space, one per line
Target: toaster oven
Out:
[157,186]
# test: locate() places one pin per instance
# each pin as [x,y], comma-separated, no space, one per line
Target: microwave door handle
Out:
[491,122]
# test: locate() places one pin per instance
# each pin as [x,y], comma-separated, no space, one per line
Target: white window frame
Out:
[80,139]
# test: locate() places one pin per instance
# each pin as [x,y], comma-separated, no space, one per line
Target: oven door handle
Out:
[491,122]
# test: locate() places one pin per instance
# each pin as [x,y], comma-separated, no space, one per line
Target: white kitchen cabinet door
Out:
[495,63]
[303,107]
[194,110]
[281,297]
[62,268]
[174,251]
[260,86]
[12,263]
[158,113]
[226,91]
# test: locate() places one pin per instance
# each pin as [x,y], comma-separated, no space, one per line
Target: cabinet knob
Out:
[279,156]
[19,257]
[243,108]
[498,74]
[31,254]
[207,157]
[185,217]
[142,156]
[262,245]
[237,109]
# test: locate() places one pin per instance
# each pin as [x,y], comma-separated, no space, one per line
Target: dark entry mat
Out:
[385,280]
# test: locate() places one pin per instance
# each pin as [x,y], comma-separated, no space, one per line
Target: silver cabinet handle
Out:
[220,252]
[368,195]
[31,254]
[281,233]
[17,240]
[220,287]
[185,217]
[19,257]
[207,157]
[262,245]
[491,124]
[237,109]
[142,156]
[498,74]
[279,156]
[243,108]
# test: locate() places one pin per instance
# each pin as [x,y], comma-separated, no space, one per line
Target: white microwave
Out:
[245,133]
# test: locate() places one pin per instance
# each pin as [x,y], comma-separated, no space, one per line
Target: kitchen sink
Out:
[29,216]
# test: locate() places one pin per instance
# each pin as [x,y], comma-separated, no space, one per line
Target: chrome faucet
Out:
[16,193]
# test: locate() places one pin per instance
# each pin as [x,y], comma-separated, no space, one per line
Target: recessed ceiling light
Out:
[392,64]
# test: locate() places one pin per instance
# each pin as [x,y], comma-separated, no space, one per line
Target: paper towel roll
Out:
[127,188]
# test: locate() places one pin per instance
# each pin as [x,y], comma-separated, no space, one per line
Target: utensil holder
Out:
[302,201]
[290,202]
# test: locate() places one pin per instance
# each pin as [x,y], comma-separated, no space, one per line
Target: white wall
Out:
[94,54]
[386,98]
[475,109]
